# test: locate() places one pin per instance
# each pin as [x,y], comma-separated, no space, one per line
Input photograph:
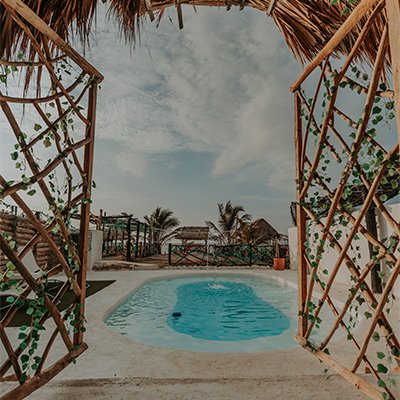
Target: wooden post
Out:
[129,243]
[85,214]
[300,220]
[169,254]
[137,238]
[393,15]
[376,281]
[144,235]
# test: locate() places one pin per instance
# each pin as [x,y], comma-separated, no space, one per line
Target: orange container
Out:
[279,264]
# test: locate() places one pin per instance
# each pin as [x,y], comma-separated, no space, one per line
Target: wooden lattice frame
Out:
[311,180]
[65,144]
[27,19]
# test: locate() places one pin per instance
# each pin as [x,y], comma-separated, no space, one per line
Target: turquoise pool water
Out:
[232,313]
[224,310]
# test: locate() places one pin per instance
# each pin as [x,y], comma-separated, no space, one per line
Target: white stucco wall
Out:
[361,255]
[95,247]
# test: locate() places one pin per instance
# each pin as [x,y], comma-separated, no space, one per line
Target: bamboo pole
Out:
[10,352]
[40,228]
[39,380]
[18,350]
[359,383]
[368,294]
[354,18]
[351,234]
[4,247]
[23,10]
[377,201]
[85,213]
[311,112]
[301,221]
[393,16]
[35,170]
[377,314]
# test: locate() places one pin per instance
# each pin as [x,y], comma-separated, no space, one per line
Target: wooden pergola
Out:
[333,150]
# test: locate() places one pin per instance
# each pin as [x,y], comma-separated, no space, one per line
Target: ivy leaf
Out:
[368,315]
[31,192]
[389,105]
[24,358]
[14,155]
[10,266]
[380,355]
[383,197]
[30,311]
[382,368]
[376,110]
[23,345]
[376,337]
[37,127]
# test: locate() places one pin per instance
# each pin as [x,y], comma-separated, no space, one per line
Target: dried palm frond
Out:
[306,25]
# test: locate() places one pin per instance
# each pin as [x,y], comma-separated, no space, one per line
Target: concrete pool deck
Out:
[115,367]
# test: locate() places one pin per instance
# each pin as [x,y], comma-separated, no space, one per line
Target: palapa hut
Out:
[34,36]
[192,233]
[262,232]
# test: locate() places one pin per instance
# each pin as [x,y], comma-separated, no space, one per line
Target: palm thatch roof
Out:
[192,233]
[306,25]
[261,231]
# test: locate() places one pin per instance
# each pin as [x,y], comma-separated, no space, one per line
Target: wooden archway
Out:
[72,157]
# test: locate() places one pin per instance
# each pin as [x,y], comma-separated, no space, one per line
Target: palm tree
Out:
[161,222]
[225,230]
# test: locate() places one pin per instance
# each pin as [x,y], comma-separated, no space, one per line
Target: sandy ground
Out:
[281,387]
[115,367]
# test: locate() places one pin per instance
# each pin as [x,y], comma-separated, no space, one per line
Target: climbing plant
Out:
[51,131]
[347,170]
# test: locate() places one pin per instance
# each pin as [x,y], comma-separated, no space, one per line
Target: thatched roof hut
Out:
[186,233]
[261,231]
[305,25]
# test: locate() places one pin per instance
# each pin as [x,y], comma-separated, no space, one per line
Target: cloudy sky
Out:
[196,116]
[193,117]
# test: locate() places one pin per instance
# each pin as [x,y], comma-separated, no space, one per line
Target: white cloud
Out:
[130,163]
[219,85]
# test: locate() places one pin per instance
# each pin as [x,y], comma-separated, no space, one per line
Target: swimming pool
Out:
[210,313]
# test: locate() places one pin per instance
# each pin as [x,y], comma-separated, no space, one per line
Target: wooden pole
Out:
[28,14]
[300,219]
[85,214]
[360,383]
[24,390]
[137,239]
[393,15]
[129,243]
[356,15]
[144,240]
[370,220]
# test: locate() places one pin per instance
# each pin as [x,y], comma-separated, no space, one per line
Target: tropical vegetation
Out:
[226,229]
[161,225]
